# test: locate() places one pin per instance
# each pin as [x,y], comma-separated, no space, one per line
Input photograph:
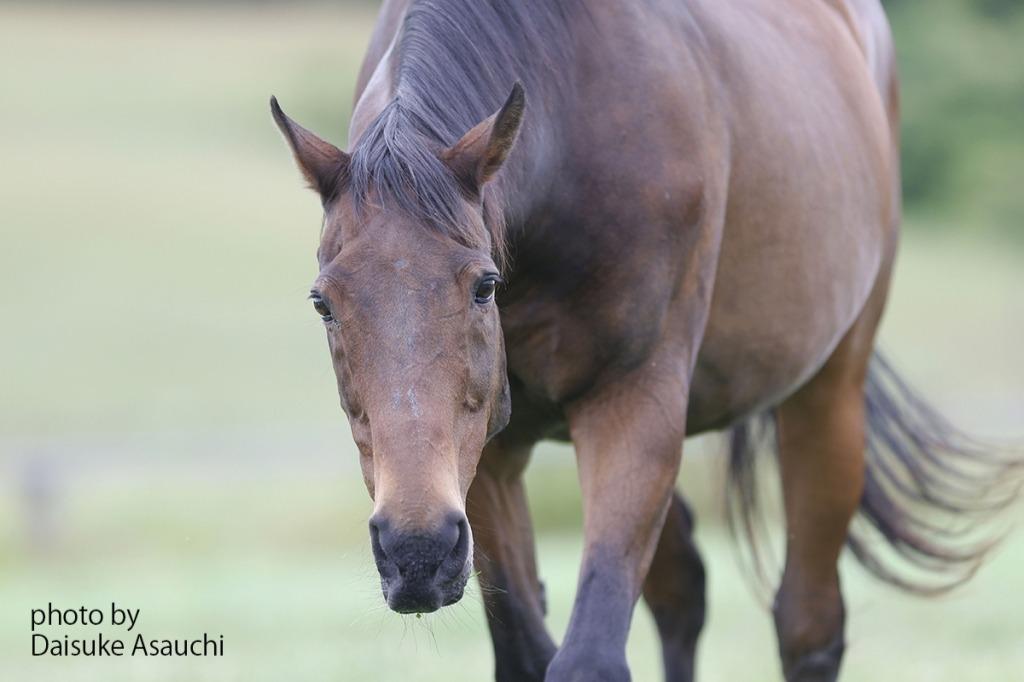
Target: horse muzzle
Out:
[422,571]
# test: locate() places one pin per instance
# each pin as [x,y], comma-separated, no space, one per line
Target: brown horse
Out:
[684,217]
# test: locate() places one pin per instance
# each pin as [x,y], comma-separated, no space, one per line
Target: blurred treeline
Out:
[962,71]
[962,67]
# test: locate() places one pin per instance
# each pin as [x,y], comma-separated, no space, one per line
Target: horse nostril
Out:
[447,535]
[378,527]
[455,551]
[461,548]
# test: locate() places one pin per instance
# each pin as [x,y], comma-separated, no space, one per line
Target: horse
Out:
[623,224]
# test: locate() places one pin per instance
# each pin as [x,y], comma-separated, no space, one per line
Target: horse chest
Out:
[560,347]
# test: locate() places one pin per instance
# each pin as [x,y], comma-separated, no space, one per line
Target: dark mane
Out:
[455,63]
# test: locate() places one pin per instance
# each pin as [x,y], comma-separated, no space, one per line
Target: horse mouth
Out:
[407,596]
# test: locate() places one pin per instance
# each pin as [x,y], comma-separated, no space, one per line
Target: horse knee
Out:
[677,602]
[675,585]
[675,593]
[810,633]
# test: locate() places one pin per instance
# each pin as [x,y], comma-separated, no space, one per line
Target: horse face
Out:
[417,348]
[419,356]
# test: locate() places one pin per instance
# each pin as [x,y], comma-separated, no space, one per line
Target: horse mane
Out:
[455,63]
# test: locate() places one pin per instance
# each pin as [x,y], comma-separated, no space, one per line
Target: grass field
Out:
[169,430]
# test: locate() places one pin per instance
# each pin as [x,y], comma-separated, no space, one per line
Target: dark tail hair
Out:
[929,490]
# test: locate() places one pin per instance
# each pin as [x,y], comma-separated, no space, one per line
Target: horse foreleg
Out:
[628,445]
[505,559]
[674,592]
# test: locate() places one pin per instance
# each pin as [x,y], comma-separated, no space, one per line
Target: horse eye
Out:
[321,307]
[485,289]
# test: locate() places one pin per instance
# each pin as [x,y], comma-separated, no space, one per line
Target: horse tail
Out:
[930,495]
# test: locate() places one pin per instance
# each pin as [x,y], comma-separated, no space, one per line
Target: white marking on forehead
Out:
[414,404]
[409,401]
[401,264]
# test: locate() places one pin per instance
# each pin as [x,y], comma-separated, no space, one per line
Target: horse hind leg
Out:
[821,440]
[507,565]
[675,592]
[820,455]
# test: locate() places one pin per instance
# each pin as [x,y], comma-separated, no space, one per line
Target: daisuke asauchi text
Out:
[131,643]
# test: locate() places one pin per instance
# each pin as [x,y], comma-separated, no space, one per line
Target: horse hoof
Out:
[818,666]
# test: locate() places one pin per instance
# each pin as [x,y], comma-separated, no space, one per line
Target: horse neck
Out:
[528,173]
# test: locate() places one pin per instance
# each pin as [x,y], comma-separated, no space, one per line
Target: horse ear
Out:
[478,156]
[321,162]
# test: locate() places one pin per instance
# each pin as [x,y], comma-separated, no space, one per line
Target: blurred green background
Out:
[169,430]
